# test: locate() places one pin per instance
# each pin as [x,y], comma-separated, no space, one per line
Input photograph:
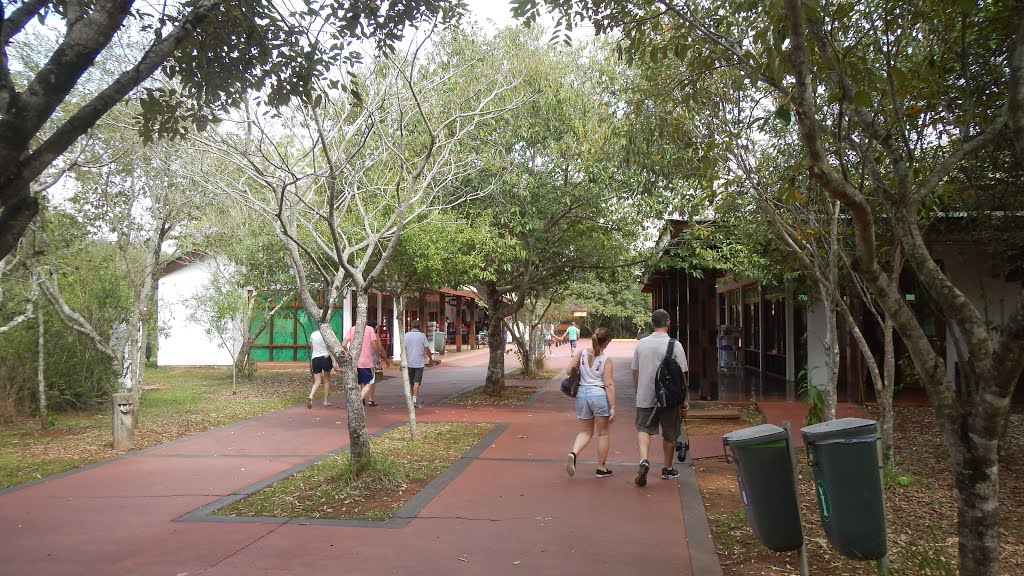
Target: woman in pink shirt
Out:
[364,364]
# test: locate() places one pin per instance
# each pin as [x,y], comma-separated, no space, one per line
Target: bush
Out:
[77,375]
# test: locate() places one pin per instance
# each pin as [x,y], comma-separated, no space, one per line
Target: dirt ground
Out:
[921,516]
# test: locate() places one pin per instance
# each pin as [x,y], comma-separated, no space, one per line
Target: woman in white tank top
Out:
[595,401]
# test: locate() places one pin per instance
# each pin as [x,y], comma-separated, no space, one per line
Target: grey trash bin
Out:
[764,472]
[848,482]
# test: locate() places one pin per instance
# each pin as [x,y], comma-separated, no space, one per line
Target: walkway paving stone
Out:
[512,510]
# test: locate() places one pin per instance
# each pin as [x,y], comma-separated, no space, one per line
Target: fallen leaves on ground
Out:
[921,516]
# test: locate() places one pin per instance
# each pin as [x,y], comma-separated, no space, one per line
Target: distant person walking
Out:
[364,363]
[647,357]
[320,366]
[572,334]
[415,346]
[595,402]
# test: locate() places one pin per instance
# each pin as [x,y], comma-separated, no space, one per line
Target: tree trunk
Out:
[359,437]
[242,361]
[527,361]
[977,495]
[494,384]
[970,424]
[131,355]
[884,397]
[522,348]
[831,346]
[44,420]
[399,340]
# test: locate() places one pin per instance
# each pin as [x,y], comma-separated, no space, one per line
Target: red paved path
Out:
[512,510]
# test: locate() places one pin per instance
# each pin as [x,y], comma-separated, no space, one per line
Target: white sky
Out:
[499,12]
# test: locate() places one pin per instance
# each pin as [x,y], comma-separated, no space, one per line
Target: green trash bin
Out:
[764,472]
[848,482]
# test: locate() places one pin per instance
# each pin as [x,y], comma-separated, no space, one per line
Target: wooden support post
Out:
[458,323]
[442,322]
[472,325]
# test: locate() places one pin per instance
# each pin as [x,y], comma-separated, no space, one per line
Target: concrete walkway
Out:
[506,508]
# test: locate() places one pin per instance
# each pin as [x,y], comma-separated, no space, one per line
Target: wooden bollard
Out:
[124,405]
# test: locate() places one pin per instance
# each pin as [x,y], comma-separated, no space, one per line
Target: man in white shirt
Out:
[647,357]
[320,365]
[415,346]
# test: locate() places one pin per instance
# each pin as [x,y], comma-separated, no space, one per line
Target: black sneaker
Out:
[603,473]
[668,473]
[641,473]
[570,464]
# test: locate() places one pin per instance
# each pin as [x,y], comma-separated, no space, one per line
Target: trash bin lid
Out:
[839,429]
[761,434]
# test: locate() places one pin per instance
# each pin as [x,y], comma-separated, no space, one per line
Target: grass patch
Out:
[542,374]
[398,469]
[733,527]
[510,396]
[184,401]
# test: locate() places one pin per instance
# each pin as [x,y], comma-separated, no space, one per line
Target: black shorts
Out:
[321,364]
[415,375]
[572,344]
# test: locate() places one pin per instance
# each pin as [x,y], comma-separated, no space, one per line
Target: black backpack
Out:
[669,380]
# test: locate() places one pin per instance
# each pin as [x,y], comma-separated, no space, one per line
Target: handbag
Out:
[571,385]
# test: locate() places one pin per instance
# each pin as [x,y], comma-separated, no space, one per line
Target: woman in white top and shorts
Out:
[595,401]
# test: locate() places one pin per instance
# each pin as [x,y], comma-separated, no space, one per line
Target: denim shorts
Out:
[591,401]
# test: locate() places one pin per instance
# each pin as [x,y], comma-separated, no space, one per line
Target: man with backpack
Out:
[659,367]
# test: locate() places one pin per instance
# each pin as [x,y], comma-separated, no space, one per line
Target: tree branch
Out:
[950,162]
[15,23]
[87,116]
[73,320]
[931,366]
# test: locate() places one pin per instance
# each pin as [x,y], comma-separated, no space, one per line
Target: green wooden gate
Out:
[286,338]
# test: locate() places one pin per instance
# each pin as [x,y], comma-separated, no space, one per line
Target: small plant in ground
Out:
[731,527]
[536,374]
[378,471]
[929,553]
[896,479]
[812,396]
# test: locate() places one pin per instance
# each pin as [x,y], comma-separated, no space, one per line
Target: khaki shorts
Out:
[668,419]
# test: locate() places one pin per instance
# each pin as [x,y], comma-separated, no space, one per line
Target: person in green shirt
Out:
[572,334]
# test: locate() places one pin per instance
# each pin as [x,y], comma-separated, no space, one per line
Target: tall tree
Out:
[138,199]
[564,201]
[216,51]
[915,93]
[347,173]
[442,249]
[229,229]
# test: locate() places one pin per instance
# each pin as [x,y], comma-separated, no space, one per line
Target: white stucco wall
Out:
[982,282]
[816,331]
[183,342]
